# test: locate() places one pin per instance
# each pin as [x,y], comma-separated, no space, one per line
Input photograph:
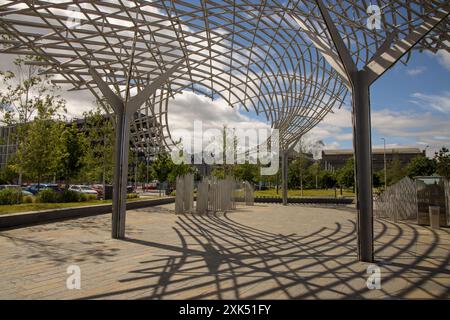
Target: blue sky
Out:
[410,107]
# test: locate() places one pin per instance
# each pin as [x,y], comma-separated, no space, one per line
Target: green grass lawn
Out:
[306,193]
[25,207]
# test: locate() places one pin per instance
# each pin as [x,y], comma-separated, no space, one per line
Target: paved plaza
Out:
[261,252]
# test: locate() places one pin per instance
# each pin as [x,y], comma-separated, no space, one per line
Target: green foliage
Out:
[246,172]
[421,166]
[298,173]
[25,89]
[38,152]
[91,197]
[162,166]
[327,179]
[218,172]
[28,199]
[28,92]
[179,170]
[142,173]
[72,148]
[10,196]
[442,159]
[98,158]
[395,171]
[132,196]
[48,196]
[7,175]
[377,180]
[83,197]
[70,196]
[346,175]
[51,196]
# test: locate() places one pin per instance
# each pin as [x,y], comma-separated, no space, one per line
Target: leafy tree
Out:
[346,174]
[313,173]
[421,166]
[395,171]
[162,166]
[218,172]
[442,159]
[246,172]
[327,179]
[72,148]
[179,170]
[25,90]
[99,132]
[7,175]
[142,173]
[377,180]
[297,172]
[39,148]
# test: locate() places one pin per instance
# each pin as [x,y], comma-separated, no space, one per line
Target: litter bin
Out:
[434,217]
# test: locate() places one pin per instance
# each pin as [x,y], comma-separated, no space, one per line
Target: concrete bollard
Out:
[434,216]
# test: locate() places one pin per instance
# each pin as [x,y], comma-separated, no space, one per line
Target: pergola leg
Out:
[120,174]
[124,110]
[363,165]
[284,176]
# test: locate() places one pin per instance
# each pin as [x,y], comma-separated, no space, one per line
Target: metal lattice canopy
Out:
[290,61]
[251,54]
[267,56]
[402,25]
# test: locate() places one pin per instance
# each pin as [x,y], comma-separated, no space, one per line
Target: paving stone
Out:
[260,252]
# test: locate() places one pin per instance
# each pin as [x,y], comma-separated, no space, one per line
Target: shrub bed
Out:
[10,196]
[132,196]
[65,196]
[48,196]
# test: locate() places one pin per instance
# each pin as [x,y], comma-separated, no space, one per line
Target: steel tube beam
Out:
[363,165]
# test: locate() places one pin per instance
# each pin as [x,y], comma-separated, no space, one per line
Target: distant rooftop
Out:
[375,151]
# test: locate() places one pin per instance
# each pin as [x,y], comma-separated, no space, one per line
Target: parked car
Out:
[13,186]
[98,188]
[83,189]
[150,186]
[35,188]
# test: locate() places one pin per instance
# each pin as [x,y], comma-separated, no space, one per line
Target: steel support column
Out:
[363,165]
[124,110]
[122,145]
[284,176]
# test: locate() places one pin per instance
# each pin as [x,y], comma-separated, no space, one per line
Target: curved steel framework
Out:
[289,61]
[248,53]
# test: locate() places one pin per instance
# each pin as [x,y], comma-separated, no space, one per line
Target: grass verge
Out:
[306,193]
[26,207]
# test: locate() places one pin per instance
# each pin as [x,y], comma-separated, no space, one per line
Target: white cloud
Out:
[444,58]
[410,128]
[415,71]
[188,107]
[439,102]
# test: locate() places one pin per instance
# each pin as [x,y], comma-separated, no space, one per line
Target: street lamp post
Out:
[385,175]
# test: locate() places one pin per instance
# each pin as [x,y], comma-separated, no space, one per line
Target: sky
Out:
[410,106]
